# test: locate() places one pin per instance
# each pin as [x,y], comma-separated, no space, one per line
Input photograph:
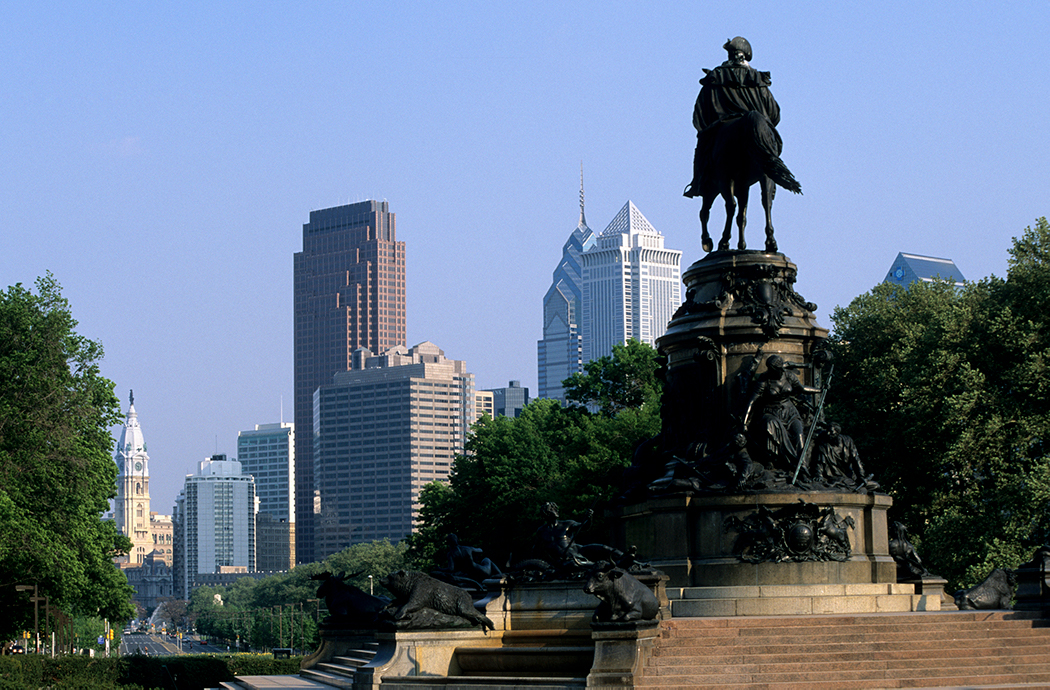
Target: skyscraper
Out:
[214,522]
[268,454]
[560,353]
[631,284]
[382,431]
[131,508]
[349,293]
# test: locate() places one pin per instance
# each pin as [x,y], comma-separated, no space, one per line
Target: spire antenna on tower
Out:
[583,220]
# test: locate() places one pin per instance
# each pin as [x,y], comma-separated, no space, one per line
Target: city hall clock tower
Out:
[131,508]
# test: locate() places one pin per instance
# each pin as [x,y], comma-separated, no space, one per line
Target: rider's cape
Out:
[729,92]
[732,91]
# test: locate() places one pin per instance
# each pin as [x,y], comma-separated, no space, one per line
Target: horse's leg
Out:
[768,192]
[741,218]
[727,195]
[705,215]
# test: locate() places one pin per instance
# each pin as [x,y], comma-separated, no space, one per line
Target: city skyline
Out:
[161,161]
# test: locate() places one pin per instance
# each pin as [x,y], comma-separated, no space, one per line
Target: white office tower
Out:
[215,520]
[631,284]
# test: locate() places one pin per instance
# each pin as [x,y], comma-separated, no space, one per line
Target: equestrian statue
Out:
[737,144]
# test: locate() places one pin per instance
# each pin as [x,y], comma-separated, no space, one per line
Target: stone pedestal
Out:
[740,307]
[532,608]
[932,586]
[689,540]
[620,653]
[538,606]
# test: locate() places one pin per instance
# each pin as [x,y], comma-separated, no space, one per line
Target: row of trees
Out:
[283,609]
[947,392]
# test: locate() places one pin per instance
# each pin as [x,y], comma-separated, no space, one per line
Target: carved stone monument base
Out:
[697,545]
[720,567]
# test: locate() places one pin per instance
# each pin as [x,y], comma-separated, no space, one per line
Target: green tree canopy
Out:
[512,466]
[56,473]
[945,391]
[623,380]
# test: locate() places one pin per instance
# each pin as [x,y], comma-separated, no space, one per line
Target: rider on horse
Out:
[732,92]
[729,91]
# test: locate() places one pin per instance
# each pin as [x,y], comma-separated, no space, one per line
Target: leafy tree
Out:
[172,614]
[946,392]
[378,559]
[87,630]
[56,473]
[512,466]
[613,383]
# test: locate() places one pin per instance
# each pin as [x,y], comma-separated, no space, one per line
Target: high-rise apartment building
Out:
[631,284]
[560,353]
[268,454]
[349,293]
[131,511]
[382,431]
[214,522]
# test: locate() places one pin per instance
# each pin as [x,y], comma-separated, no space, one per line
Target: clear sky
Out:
[161,158]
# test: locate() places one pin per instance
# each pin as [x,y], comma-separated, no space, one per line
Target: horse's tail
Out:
[780,174]
[767,144]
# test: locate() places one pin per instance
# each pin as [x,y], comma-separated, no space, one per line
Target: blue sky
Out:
[161,158]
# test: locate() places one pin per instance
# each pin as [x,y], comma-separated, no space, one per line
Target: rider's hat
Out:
[739,43]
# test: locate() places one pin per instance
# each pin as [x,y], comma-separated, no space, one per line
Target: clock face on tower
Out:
[138,466]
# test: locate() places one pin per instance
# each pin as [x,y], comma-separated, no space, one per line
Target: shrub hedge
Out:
[185,672]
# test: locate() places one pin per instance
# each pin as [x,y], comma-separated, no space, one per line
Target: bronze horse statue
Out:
[739,162]
[737,144]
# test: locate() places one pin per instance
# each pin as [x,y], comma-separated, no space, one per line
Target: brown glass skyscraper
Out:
[349,293]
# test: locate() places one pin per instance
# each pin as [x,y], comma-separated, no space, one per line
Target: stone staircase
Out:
[893,650]
[339,672]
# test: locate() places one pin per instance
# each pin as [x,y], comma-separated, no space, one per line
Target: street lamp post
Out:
[36,613]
